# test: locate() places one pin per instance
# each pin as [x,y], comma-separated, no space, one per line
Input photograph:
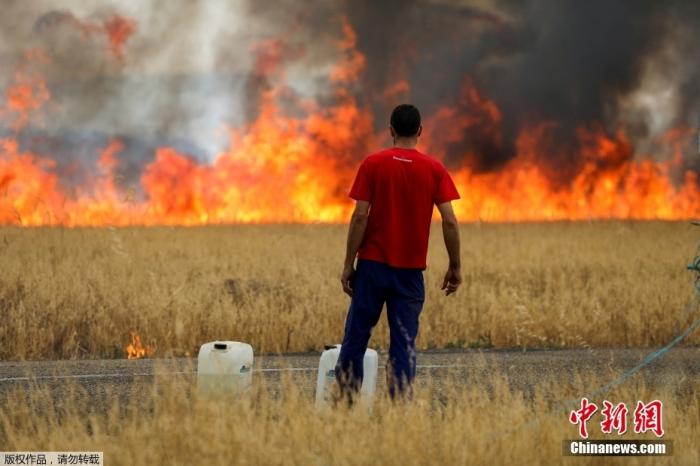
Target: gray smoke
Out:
[625,64]
[191,69]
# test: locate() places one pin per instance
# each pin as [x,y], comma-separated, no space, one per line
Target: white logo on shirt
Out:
[401,159]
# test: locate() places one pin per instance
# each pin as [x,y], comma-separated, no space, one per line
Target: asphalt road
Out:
[522,370]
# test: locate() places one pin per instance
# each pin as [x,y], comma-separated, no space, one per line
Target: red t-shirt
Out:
[402,186]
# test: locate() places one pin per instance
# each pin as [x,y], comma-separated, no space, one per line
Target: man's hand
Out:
[346,279]
[453,278]
[450,232]
[356,233]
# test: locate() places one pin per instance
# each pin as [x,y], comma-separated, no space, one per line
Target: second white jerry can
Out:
[326,375]
[224,366]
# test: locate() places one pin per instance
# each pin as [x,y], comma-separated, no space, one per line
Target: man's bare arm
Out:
[450,233]
[356,233]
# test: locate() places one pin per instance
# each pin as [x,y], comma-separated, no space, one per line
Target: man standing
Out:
[395,190]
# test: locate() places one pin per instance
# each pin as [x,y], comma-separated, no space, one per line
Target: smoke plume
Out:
[181,74]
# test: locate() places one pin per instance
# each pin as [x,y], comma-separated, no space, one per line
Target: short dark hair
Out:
[405,119]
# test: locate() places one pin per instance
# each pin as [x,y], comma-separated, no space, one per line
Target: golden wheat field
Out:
[79,293]
[455,425]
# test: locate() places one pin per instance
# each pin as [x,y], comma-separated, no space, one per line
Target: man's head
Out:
[405,122]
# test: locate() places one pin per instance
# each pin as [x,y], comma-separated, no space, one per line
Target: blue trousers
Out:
[403,291]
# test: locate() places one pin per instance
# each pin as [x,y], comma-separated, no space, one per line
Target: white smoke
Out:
[184,78]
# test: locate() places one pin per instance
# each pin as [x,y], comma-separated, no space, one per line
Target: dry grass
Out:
[76,293]
[460,425]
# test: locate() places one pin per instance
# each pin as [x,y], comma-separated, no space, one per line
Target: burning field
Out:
[113,119]
[100,127]
[173,173]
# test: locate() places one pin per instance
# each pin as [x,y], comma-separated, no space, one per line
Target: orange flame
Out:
[136,349]
[118,30]
[281,168]
[27,93]
[607,181]
[115,28]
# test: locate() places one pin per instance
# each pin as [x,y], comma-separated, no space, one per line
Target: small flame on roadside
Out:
[136,349]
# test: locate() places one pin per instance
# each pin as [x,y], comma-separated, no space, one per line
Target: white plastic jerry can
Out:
[326,375]
[224,366]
